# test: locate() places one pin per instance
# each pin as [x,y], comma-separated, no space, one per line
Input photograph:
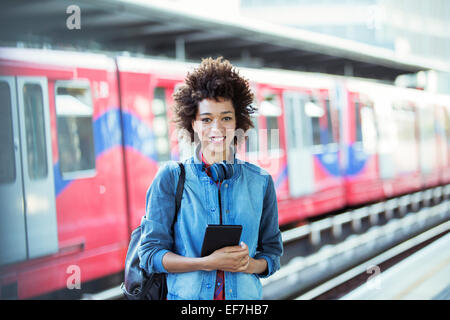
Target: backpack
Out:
[138,285]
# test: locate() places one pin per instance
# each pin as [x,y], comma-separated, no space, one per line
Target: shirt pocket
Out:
[249,287]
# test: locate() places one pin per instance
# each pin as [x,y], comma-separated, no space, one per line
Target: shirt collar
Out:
[204,161]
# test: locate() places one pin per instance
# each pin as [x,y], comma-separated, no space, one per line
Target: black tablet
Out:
[218,236]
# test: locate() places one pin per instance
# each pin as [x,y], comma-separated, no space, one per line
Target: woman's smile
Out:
[217,140]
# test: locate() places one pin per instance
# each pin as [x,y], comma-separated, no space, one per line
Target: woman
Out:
[214,107]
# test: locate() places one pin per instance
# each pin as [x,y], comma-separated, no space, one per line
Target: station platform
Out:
[425,275]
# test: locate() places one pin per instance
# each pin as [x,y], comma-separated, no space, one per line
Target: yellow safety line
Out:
[419,281]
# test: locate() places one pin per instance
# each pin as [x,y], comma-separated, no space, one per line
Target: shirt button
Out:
[213,209]
[226,185]
[231,291]
[228,211]
[208,285]
[211,182]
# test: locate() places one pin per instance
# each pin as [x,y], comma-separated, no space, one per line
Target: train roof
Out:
[263,75]
[58,57]
[175,69]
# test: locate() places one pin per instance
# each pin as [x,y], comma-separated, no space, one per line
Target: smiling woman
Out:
[214,106]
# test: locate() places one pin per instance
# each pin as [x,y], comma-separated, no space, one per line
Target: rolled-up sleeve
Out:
[156,225]
[270,245]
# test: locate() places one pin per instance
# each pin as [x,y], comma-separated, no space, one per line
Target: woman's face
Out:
[215,124]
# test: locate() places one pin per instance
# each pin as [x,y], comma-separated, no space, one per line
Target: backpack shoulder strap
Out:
[179,194]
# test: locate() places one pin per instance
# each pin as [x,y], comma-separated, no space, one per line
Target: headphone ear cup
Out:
[229,170]
[221,171]
[217,172]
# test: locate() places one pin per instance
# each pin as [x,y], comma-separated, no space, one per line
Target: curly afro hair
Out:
[213,79]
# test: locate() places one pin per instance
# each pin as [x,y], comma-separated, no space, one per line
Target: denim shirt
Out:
[248,198]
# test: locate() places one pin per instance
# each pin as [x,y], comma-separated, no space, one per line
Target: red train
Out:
[82,136]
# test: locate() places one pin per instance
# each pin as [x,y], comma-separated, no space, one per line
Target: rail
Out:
[403,220]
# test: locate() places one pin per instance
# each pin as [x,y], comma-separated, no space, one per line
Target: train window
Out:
[357,109]
[160,125]
[428,141]
[330,126]
[365,124]
[35,131]
[406,124]
[273,133]
[427,126]
[368,129]
[447,125]
[315,111]
[406,146]
[251,143]
[291,123]
[7,159]
[271,108]
[75,129]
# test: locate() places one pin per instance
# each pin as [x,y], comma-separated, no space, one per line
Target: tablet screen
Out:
[218,236]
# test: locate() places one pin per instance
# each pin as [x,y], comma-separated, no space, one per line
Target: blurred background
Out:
[356,94]
[408,28]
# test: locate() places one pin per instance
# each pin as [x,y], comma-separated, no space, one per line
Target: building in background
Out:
[408,27]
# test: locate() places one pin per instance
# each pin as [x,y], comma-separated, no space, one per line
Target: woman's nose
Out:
[215,124]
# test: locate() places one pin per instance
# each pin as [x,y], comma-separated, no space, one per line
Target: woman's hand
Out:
[232,259]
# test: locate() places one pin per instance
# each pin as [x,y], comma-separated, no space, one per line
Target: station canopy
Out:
[157,28]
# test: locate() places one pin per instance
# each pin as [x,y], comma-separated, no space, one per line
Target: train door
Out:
[325,137]
[446,148]
[13,246]
[28,225]
[299,144]
[406,154]
[427,143]
[366,134]
[442,136]
[387,136]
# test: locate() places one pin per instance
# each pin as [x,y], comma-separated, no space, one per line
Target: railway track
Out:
[323,250]
[325,256]
[344,283]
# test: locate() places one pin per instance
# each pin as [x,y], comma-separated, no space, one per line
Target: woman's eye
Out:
[205,120]
[227,118]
